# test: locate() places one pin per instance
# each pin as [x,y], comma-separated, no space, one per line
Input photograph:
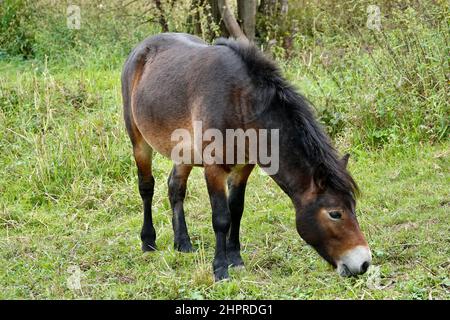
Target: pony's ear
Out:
[320,177]
[344,160]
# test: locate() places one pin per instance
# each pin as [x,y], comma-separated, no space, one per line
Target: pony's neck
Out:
[295,172]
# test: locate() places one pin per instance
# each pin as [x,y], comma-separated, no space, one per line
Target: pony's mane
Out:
[274,92]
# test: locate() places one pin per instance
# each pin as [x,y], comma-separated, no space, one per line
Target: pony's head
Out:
[326,220]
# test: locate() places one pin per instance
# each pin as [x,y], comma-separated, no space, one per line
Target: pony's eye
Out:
[335,215]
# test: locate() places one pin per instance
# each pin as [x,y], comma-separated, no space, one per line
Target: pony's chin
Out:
[343,270]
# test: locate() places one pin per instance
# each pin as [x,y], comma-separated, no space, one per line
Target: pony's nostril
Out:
[364,266]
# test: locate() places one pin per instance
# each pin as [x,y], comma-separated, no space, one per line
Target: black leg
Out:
[215,181]
[143,156]
[236,205]
[236,194]
[177,191]
[148,234]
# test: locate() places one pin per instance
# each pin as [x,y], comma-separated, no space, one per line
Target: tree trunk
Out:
[217,16]
[230,21]
[162,17]
[247,17]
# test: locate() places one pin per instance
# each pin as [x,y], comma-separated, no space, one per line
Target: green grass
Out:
[69,198]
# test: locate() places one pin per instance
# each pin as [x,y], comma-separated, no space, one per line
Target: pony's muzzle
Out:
[354,262]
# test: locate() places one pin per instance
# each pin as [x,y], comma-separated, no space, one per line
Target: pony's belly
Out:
[159,135]
[159,147]
[159,139]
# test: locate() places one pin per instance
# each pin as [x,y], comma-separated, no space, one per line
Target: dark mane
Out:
[274,92]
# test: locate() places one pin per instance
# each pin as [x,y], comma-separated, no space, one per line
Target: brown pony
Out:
[171,81]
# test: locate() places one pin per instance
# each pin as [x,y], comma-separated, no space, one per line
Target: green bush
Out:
[373,88]
[16,28]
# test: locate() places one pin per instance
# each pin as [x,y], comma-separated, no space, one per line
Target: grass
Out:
[69,198]
[68,182]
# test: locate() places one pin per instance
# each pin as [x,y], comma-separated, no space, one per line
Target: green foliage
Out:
[370,88]
[374,88]
[16,32]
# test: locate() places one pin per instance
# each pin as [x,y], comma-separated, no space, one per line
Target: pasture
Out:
[69,201]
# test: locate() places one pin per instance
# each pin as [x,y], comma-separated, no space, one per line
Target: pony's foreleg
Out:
[177,191]
[143,156]
[216,182]
[237,181]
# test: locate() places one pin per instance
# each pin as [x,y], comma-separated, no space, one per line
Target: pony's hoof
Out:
[184,247]
[238,266]
[235,261]
[148,247]
[221,274]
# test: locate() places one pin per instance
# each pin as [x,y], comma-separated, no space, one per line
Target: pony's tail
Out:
[131,76]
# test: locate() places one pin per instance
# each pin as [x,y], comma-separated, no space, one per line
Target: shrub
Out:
[16,32]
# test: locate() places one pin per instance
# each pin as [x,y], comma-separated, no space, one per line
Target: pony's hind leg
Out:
[143,156]
[177,191]
[142,151]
